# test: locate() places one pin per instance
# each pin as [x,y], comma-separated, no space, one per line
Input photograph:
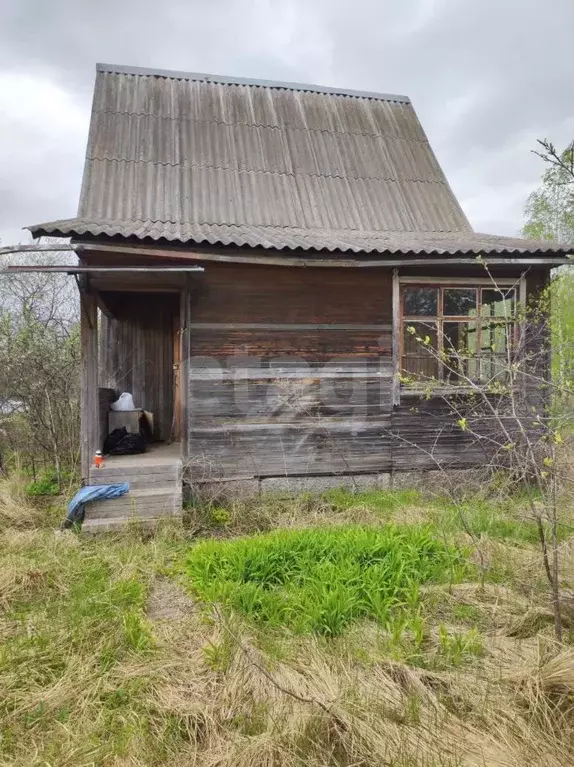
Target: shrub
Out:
[46,485]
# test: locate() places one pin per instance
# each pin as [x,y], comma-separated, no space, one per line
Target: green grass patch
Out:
[320,580]
[77,650]
[502,520]
[382,501]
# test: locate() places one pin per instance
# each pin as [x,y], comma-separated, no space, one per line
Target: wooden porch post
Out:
[89,343]
[185,311]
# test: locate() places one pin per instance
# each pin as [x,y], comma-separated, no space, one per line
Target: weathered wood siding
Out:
[290,371]
[425,433]
[136,352]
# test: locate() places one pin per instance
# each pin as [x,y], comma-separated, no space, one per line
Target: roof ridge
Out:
[227,80]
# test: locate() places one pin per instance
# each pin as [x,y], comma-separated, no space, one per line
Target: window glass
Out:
[497,303]
[420,357]
[459,351]
[459,370]
[420,302]
[494,368]
[459,338]
[496,337]
[459,302]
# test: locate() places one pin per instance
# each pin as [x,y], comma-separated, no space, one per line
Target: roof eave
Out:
[553,255]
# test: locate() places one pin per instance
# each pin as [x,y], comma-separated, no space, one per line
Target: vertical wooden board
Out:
[89,398]
[396,386]
[177,393]
[185,309]
[537,340]
[137,352]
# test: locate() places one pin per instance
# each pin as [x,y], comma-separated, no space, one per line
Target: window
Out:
[453,333]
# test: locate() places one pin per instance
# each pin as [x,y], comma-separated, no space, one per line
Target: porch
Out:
[133,340]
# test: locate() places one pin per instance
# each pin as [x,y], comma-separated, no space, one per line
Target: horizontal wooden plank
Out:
[318,345]
[288,399]
[281,327]
[483,280]
[239,368]
[307,259]
[244,293]
[290,449]
[426,434]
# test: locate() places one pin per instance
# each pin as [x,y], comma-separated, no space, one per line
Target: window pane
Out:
[496,337]
[459,302]
[461,370]
[459,352]
[498,303]
[459,338]
[420,302]
[420,356]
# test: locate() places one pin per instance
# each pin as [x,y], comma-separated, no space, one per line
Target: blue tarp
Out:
[76,507]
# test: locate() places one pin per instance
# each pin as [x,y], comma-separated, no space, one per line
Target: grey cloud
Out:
[486,77]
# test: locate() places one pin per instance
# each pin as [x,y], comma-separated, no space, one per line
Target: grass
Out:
[320,580]
[106,661]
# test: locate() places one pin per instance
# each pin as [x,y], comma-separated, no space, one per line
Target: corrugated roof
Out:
[294,238]
[200,158]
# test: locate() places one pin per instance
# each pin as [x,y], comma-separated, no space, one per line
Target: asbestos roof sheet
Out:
[293,238]
[198,158]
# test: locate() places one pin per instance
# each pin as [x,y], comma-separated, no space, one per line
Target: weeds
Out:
[321,580]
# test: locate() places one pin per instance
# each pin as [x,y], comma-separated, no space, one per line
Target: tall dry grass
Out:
[106,660]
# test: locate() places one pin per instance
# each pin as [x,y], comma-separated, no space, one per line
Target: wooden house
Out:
[322,223]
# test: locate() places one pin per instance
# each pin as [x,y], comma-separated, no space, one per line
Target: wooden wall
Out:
[136,352]
[289,370]
[291,373]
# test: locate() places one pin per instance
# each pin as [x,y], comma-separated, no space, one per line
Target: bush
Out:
[45,485]
[320,580]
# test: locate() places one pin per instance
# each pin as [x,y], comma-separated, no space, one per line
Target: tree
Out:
[549,210]
[549,214]
[493,377]
[39,368]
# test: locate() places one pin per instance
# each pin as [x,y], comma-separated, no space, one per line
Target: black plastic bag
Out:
[113,439]
[122,442]
[129,445]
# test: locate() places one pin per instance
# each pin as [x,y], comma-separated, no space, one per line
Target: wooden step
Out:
[119,470]
[162,500]
[119,524]
[138,481]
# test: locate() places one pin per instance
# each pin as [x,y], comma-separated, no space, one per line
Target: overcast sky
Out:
[487,77]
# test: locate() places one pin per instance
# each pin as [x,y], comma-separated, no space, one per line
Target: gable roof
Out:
[193,158]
